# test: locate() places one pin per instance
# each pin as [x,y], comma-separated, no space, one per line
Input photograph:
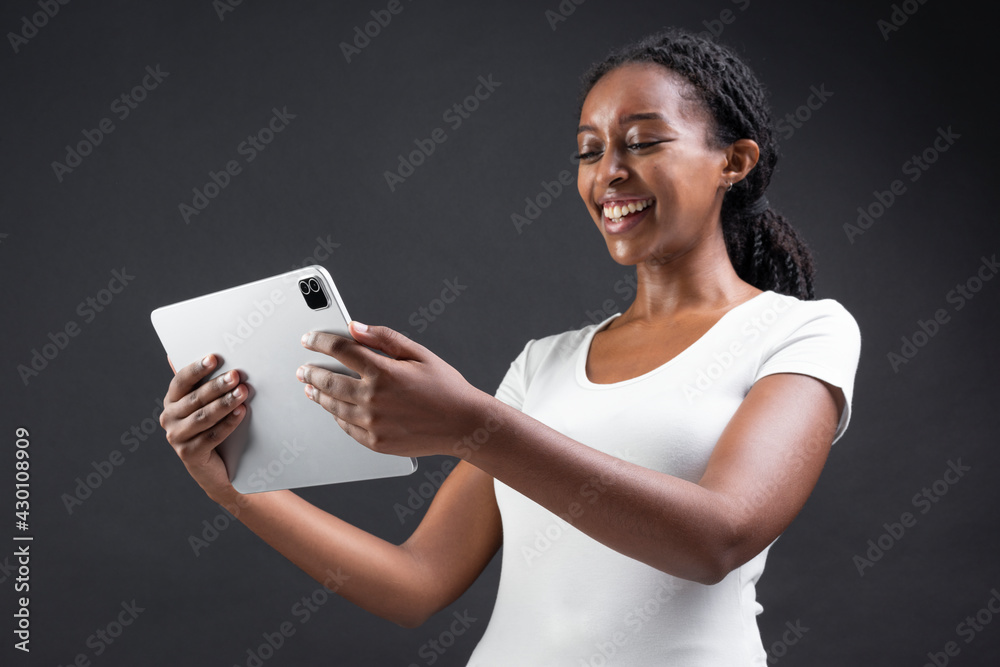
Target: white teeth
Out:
[619,211]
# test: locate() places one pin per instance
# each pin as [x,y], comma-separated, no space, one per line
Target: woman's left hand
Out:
[410,403]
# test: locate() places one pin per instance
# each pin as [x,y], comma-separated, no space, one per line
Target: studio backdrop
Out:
[420,150]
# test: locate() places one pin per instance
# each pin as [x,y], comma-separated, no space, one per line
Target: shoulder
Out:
[787,314]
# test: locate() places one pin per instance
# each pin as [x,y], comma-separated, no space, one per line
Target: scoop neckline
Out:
[584,352]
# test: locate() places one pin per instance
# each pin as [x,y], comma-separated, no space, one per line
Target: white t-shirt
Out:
[566,599]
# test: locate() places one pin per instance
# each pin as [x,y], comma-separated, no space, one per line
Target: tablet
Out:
[285,441]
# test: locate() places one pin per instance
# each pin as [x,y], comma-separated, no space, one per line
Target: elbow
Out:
[711,573]
[412,612]
[410,621]
[409,614]
[719,554]
[707,566]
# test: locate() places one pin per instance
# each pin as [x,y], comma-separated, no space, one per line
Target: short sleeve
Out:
[513,387]
[825,344]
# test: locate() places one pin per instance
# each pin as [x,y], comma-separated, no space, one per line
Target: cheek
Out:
[583,186]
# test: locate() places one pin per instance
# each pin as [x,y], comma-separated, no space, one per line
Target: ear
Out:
[741,157]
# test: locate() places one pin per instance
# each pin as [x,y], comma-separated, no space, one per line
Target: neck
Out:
[699,279]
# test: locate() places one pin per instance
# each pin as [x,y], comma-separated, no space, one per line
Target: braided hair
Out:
[766,251]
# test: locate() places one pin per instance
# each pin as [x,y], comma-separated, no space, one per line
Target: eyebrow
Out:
[624,120]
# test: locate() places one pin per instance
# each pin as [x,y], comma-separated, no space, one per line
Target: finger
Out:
[349,352]
[189,376]
[356,432]
[201,397]
[171,365]
[209,415]
[336,385]
[342,410]
[387,340]
[203,444]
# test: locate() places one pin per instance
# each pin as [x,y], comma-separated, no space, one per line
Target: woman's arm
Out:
[759,476]
[403,583]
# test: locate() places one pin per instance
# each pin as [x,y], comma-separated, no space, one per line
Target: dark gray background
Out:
[322,177]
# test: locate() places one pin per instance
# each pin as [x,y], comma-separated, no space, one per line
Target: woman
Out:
[637,470]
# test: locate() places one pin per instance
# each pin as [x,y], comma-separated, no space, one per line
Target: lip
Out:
[626,223]
[606,199]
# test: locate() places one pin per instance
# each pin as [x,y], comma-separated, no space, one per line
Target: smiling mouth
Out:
[615,211]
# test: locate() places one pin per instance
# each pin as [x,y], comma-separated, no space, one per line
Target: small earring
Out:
[730,186]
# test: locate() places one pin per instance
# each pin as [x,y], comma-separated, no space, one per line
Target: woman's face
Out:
[643,146]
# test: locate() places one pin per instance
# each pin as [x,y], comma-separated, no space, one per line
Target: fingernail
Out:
[238,411]
[306,338]
[359,327]
[238,392]
[310,391]
[207,361]
[300,373]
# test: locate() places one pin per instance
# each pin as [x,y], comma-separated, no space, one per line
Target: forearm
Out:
[374,574]
[669,523]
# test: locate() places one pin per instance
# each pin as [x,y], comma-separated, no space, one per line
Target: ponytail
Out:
[768,253]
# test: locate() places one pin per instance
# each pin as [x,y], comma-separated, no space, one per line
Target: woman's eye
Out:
[585,155]
[643,144]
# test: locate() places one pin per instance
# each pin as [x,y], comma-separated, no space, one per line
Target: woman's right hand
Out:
[198,419]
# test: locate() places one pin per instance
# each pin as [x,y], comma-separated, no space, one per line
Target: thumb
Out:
[386,340]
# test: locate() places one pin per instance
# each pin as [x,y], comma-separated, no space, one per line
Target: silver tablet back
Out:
[285,441]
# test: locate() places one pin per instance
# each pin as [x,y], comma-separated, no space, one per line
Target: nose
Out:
[612,168]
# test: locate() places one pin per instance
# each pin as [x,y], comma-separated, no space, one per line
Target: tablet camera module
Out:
[312,292]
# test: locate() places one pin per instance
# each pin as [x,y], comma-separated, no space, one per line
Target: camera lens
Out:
[304,287]
[313,285]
